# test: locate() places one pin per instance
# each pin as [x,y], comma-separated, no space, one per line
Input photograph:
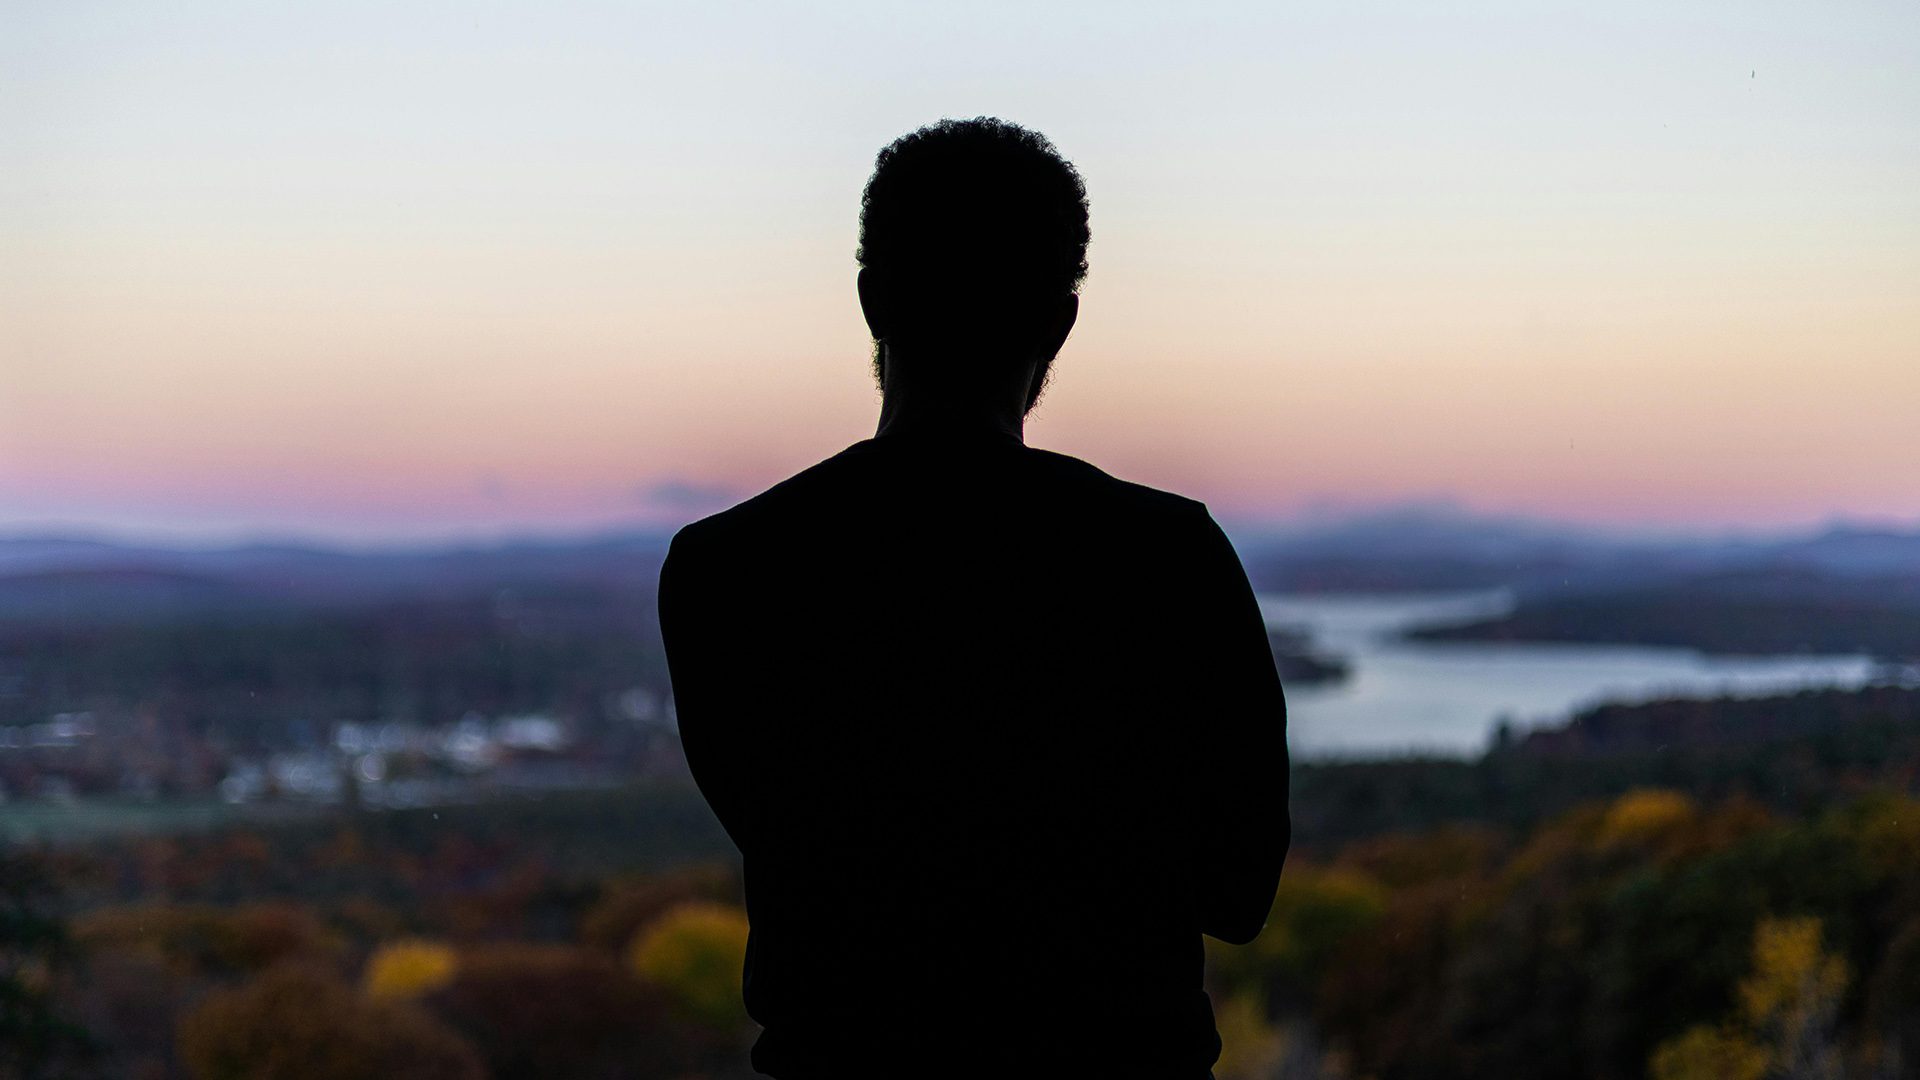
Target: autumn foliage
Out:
[1654,934]
[696,953]
[293,1023]
[408,969]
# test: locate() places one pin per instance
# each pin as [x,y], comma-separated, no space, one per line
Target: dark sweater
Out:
[999,737]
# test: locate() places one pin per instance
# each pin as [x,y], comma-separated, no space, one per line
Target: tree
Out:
[36,1037]
[696,952]
[299,1023]
[409,969]
[1783,1027]
[540,1011]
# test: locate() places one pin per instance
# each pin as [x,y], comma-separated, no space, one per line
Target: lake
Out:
[1446,697]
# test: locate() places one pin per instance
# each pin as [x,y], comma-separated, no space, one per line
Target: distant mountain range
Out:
[1410,549]
[1429,548]
[90,578]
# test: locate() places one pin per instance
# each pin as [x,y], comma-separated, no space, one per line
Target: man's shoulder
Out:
[797,494]
[1125,493]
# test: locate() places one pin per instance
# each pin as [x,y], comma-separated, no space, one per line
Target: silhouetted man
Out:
[998,735]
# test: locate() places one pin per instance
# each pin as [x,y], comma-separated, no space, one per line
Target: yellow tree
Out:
[409,969]
[1784,1024]
[695,952]
[1644,815]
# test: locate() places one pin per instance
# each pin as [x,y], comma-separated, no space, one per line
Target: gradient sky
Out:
[379,270]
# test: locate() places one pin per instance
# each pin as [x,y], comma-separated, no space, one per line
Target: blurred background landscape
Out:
[1553,370]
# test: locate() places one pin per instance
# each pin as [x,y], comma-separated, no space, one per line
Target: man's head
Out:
[973,242]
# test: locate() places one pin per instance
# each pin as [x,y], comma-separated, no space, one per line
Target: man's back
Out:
[998,736]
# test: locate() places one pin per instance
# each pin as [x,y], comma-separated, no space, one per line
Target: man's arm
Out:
[708,683]
[1239,727]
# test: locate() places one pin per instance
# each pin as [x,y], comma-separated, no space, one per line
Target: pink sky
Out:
[570,268]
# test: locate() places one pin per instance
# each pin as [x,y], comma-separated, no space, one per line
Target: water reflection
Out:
[1447,697]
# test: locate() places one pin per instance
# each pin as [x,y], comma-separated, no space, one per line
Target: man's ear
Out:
[875,304]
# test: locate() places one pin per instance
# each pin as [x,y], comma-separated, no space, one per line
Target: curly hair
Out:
[975,206]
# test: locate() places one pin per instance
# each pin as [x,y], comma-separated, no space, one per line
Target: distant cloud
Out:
[1320,508]
[679,495]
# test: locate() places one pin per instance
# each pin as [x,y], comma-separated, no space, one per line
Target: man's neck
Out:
[909,406]
[948,426]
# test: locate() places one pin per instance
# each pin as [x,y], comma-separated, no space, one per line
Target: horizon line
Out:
[1314,516]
